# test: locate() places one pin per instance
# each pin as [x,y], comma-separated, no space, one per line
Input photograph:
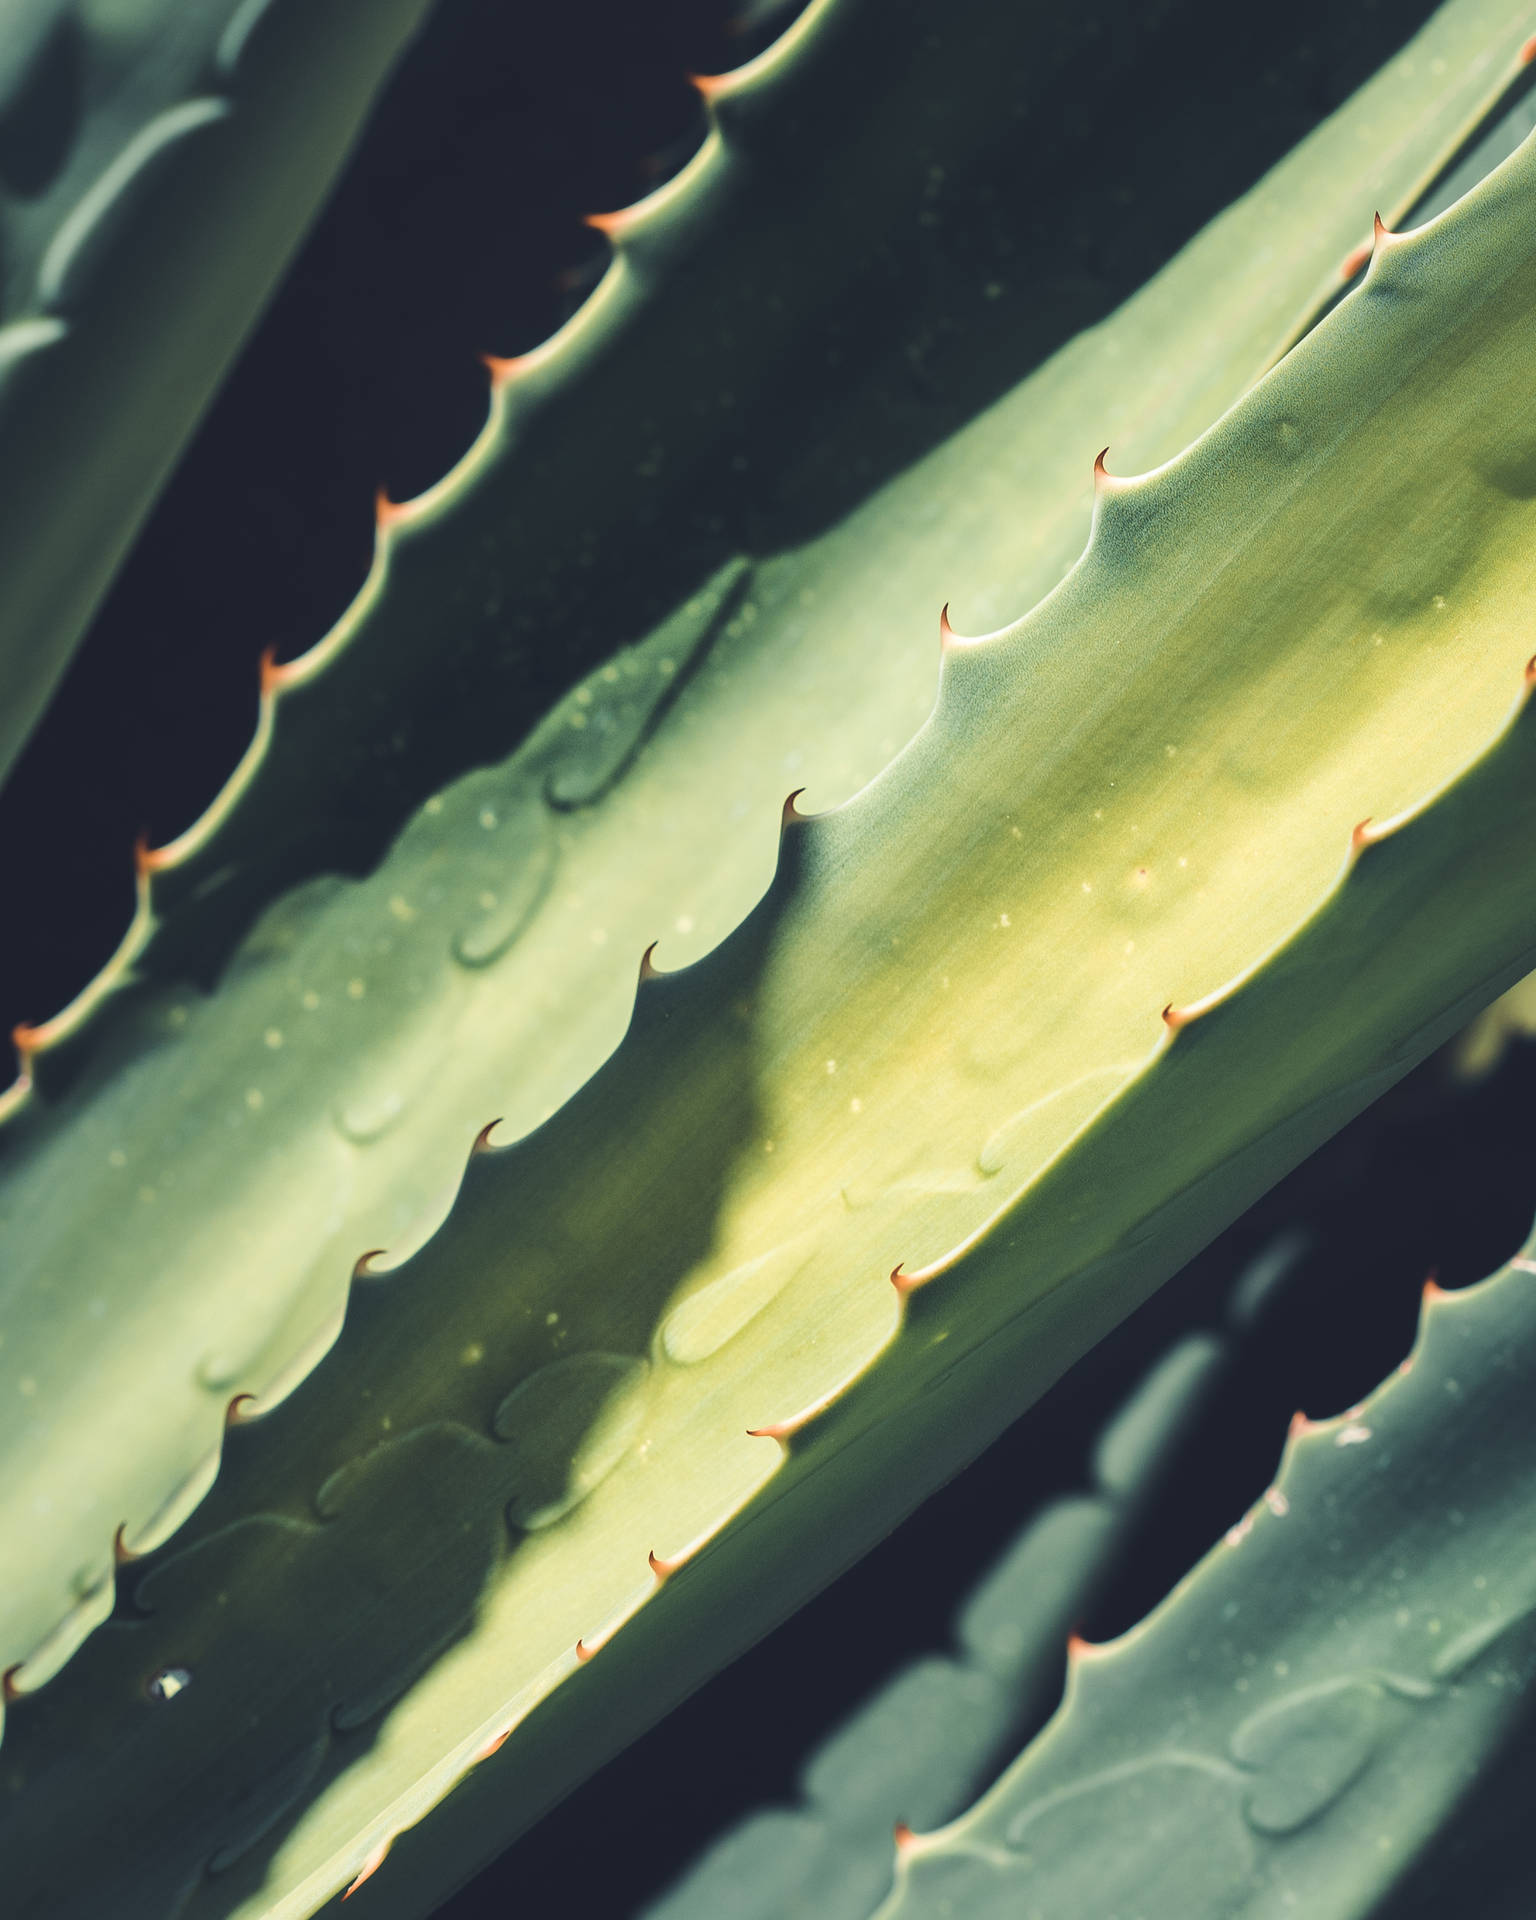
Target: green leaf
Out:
[160,161]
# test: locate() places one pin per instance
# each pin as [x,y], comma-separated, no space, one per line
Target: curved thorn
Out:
[903,1281]
[1079,1649]
[482,1143]
[1432,1291]
[370,1866]
[1301,1424]
[1101,474]
[1361,835]
[503,369]
[8,1687]
[494,1745]
[905,1838]
[583,1651]
[663,1569]
[792,816]
[648,970]
[362,1266]
[389,513]
[122,1553]
[234,1416]
[708,86]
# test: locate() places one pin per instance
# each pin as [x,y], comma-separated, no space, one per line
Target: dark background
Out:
[456,231]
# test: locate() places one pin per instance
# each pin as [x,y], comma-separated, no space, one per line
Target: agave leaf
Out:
[918,1750]
[221,1164]
[1300,1716]
[159,163]
[1184,868]
[752,361]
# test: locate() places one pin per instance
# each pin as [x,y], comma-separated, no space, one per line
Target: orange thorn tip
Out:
[8,1687]
[370,1866]
[1528,52]
[611,225]
[1361,834]
[1078,1648]
[905,1838]
[494,1745]
[1176,1017]
[792,816]
[235,1414]
[483,1137]
[708,86]
[389,513]
[583,1651]
[1101,474]
[1432,1291]
[903,1281]
[1300,1424]
[122,1553]
[148,859]
[1530,670]
[503,368]
[272,676]
[663,1569]
[26,1040]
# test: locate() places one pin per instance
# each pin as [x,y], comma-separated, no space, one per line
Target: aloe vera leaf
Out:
[1313,1702]
[918,1750]
[159,163]
[717,1317]
[320,1104]
[787,250]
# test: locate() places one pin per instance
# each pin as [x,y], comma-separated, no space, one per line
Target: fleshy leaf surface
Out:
[1198,856]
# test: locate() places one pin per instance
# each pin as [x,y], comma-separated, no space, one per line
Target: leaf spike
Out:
[1362,834]
[482,1143]
[906,1840]
[648,969]
[389,513]
[1175,1019]
[122,1553]
[1527,53]
[1301,1425]
[1079,1649]
[709,86]
[503,369]
[370,1866]
[792,816]
[362,1266]
[1381,234]
[611,225]
[148,859]
[494,1745]
[8,1687]
[905,1282]
[663,1569]
[1431,1292]
[1102,477]
[27,1040]
[781,1430]
[235,1414]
